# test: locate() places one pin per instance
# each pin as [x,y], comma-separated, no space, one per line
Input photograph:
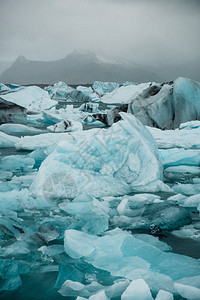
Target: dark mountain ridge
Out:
[75,68]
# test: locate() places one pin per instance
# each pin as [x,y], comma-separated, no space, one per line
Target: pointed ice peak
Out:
[21,58]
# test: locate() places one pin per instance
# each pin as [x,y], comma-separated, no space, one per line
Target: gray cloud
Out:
[152,31]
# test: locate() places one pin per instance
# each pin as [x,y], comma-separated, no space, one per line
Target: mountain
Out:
[75,68]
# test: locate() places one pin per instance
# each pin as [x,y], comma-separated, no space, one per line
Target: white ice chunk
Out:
[188,292]
[65,126]
[124,94]
[177,156]
[190,125]
[137,290]
[163,295]
[187,188]
[119,253]
[17,162]
[154,241]
[188,139]
[99,296]
[19,128]
[60,90]
[33,98]
[188,231]
[41,140]
[102,88]
[7,141]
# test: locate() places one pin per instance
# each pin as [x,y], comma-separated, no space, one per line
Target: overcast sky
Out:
[152,31]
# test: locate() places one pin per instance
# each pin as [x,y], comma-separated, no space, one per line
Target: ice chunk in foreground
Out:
[123,255]
[104,162]
[137,290]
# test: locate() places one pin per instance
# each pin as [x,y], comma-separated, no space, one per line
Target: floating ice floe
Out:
[89,215]
[179,156]
[158,105]
[102,162]
[102,88]
[153,218]
[137,290]
[19,129]
[65,126]
[189,231]
[187,139]
[59,90]
[89,107]
[32,98]
[21,163]
[41,140]
[7,140]
[84,94]
[124,94]
[121,254]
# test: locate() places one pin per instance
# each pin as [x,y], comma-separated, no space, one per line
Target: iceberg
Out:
[19,129]
[179,156]
[84,94]
[65,126]
[40,141]
[189,231]
[59,90]
[188,292]
[165,139]
[124,94]
[12,113]
[186,94]
[7,141]
[32,98]
[158,105]
[90,216]
[20,163]
[103,162]
[89,107]
[154,218]
[102,88]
